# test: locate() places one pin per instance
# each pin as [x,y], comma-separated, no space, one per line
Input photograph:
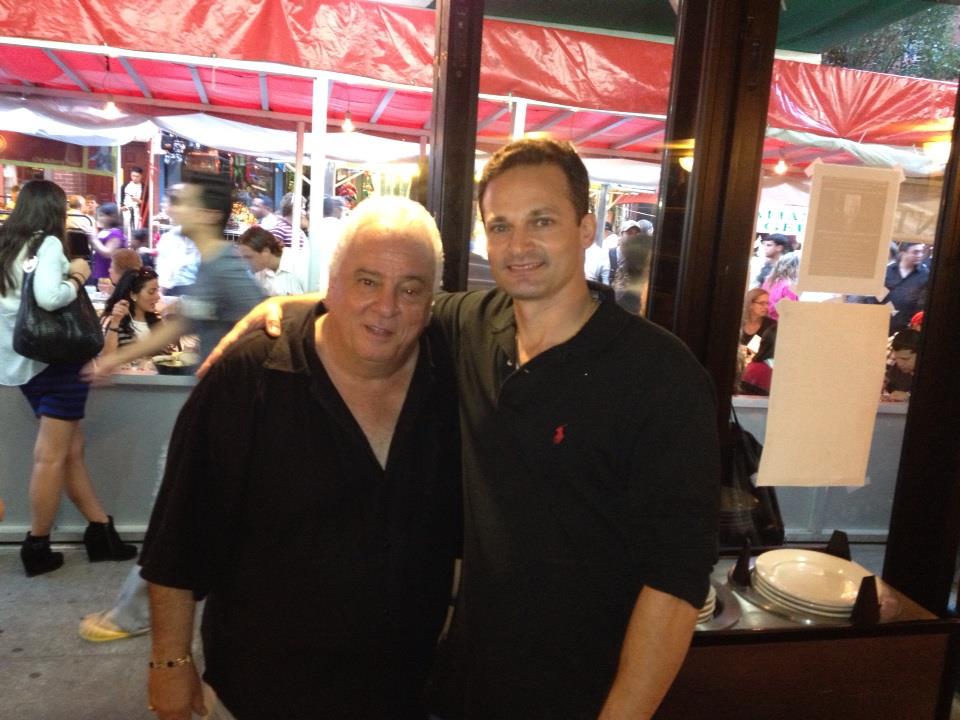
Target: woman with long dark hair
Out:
[34,233]
[131,311]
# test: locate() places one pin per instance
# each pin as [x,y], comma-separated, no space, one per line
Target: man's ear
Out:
[588,229]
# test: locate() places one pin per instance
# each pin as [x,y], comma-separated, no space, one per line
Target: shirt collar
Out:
[607,322]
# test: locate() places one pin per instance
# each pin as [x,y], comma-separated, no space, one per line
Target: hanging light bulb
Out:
[347,125]
[938,151]
[111,111]
[686,162]
[781,167]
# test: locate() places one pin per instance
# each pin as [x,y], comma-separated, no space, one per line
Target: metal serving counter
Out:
[127,427]
[767,666]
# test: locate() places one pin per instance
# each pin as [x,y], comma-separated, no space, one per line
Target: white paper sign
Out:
[824,396]
[846,246]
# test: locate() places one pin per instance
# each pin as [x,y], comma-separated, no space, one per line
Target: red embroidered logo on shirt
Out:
[558,434]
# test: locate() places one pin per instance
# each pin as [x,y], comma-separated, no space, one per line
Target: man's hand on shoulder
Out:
[267,315]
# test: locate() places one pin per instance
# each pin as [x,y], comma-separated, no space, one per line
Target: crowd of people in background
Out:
[622,260]
[774,272]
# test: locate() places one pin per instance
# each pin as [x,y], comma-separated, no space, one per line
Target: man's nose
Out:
[519,240]
[386,302]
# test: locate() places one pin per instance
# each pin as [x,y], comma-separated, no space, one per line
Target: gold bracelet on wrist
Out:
[176,662]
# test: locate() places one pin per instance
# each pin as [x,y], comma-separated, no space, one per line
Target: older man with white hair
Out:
[312,497]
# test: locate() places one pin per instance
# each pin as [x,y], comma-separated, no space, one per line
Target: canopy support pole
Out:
[601,215]
[518,119]
[319,187]
[295,247]
[118,182]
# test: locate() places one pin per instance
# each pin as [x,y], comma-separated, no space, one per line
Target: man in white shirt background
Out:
[262,210]
[133,200]
[266,258]
[178,260]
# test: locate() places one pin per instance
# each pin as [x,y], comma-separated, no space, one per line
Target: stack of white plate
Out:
[706,612]
[808,582]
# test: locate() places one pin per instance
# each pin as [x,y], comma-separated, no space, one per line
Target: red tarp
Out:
[394,43]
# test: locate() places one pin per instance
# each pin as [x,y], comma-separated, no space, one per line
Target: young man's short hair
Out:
[529,151]
[782,240]
[906,339]
[259,240]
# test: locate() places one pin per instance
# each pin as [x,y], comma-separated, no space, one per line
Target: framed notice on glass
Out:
[823,399]
[847,243]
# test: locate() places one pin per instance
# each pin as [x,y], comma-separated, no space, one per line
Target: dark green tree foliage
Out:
[925,45]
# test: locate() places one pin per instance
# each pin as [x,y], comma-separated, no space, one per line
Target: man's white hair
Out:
[392,215]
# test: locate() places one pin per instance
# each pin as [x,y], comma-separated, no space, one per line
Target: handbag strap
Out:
[33,245]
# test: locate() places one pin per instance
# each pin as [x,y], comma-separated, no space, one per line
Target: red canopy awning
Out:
[631,198]
[609,79]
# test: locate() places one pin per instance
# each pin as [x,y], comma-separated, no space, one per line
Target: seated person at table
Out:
[758,374]
[264,254]
[756,320]
[140,242]
[899,377]
[131,311]
[123,260]
[76,219]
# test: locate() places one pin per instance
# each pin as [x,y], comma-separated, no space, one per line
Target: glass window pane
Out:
[847,108]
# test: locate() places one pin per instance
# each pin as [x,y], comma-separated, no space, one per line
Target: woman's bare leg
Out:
[78,486]
[49,472]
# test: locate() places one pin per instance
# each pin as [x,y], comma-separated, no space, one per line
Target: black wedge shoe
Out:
[103,543]
[37,556]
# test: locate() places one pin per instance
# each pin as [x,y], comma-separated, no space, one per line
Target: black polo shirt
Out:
[589,472]
[327,577]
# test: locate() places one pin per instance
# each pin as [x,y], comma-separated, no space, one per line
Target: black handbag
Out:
[747,512]
[70,334]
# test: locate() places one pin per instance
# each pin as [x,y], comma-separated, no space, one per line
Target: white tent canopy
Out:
[94,126]
[78,126]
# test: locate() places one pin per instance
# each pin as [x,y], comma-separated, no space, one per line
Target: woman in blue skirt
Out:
[55,392]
